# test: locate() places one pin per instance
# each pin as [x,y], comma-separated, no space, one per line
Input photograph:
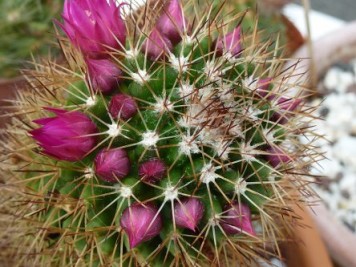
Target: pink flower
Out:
[112,164]
[68,136]
[156,46]
[141,222]
[230,43]
[172,23]
[277,156]
[103,74]
[152,170]
[188,213]
[237,219]
[93,25]
[122,106]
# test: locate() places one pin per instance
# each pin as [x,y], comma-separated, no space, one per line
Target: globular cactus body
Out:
[170,149]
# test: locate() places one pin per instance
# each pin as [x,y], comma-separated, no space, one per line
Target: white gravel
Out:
[337,171]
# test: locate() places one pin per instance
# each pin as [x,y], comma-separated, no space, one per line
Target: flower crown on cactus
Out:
[175,145]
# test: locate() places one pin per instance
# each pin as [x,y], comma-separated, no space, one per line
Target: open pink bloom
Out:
[230,43]
[152,170]
[103,74]
[172,23]
[93,25]
[188,213]
[141,222]
[237,218]
[112,164]
[277,156]
[122,107]
[68,136]
[156,45]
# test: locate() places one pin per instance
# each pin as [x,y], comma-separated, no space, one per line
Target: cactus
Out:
[170,145]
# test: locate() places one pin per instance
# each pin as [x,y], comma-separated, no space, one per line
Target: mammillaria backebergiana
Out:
[174,144]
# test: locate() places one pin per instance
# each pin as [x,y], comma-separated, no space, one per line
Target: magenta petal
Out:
[94,26]
[43,121]
[141,222]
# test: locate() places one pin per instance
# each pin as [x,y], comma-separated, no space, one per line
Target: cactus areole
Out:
[175,146]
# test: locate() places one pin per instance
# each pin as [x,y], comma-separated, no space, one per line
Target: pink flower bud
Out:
[237,219]
[288,104]
[188,213]
[156,45]
[68,136]
[172,23]
[277,156]
[122,107]
[262,87]
[104,74]
[152,170]
[230,43]
[93,25]
[286,107]
[141,222]
[112,164]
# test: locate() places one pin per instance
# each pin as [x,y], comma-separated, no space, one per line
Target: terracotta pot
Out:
[310,250]
[335,47]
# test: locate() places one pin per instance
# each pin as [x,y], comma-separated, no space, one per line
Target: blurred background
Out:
[343,9]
